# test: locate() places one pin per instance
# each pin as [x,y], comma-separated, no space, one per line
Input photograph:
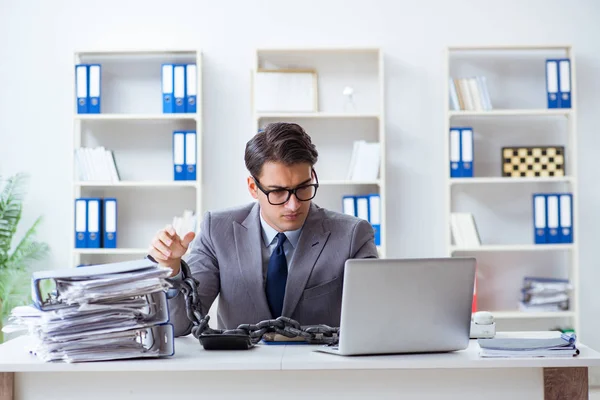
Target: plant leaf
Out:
[28,249]
[11,204]
[14,290]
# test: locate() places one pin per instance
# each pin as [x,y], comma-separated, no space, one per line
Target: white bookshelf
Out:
[510,113]
[519,315]
[135,117]
[509,181]
[512,248]
[138,184]
[332,127]
[121,251]
[317,115]
[502,206]
[132,125]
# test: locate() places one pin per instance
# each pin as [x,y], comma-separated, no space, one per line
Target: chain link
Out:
[314,334]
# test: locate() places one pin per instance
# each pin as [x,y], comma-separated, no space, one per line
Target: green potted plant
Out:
[15,266]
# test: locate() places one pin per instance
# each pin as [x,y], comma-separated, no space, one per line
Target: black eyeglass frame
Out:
[290,191]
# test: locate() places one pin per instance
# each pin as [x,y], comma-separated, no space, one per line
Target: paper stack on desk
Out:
[102,312]
[563,346]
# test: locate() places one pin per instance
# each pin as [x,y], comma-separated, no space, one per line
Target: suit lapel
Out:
[311,243]
[248,244]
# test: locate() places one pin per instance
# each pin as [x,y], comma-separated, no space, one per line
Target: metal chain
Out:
[314,334]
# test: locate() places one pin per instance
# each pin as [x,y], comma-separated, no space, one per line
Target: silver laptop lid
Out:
[406,305]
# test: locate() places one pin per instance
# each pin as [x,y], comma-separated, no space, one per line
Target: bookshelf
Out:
[335,123]
[135,117]
[131,123]
[502,206]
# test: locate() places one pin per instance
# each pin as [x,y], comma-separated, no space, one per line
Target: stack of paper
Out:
[545,294]
[103,312]
[464,230]
[365,161]
[96,164]
[563,346]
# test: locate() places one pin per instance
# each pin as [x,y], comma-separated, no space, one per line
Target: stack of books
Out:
[563,346]
[545,294]
[464,230]
[103,312]
[365,161]
[96,164]
[470,94]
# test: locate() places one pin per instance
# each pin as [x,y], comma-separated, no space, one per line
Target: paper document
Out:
[107,312]
[565,345]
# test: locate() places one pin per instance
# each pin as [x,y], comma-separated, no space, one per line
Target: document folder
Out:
[52,301]
[81,88]
[179,88]
[167,89]
[552,83]
[80,223]
[564,70]
[191,83]
[95,82]
[110,223]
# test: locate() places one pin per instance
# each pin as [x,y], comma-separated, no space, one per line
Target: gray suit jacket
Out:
[226,260]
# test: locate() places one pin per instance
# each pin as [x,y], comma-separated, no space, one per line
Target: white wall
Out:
[38,39]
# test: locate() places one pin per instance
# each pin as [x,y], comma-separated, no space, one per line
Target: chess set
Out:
[535,161]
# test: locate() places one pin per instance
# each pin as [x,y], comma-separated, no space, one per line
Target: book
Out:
[562,346]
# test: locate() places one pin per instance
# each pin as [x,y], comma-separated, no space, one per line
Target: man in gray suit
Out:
[282,255]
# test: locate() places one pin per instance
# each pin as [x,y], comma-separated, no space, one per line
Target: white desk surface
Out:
[190,356]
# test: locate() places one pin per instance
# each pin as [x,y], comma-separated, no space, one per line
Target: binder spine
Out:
[564,73]
[553,218]
[179,88]
[179,173]
[191,83]
[455,161]
[552,83]
[466,153]
[110,223]
[80,223]
[95,84]
[94,223]
[539,218]
[167,89]
[81,88]
[190,155]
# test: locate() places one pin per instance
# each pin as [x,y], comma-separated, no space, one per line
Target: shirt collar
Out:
[269,233]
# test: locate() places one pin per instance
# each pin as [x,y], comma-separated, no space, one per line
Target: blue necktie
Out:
[277,277]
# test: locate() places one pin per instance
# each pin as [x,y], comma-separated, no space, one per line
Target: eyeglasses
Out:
[278,197]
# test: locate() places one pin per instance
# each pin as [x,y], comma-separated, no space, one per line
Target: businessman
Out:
[281,255]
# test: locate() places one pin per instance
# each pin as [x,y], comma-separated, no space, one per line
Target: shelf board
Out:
[513,248]
[136,117]
[343,182]
[133,52]
[531,314]
[511,47]
[133,184]
[316,115]
[512,113]
[503,180]
[341,49]
[121,251]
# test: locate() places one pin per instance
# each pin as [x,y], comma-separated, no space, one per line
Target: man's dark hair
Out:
[281,142]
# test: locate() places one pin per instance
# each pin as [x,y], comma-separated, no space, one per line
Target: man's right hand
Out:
[167,248]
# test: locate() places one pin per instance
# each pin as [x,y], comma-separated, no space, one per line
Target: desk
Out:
[294,371]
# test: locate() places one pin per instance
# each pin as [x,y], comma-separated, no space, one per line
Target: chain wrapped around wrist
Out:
[244,336]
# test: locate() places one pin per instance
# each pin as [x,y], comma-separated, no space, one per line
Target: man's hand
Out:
[167,248]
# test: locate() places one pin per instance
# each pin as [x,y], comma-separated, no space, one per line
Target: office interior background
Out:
[406,108]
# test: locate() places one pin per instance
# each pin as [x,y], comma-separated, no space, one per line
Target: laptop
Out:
[396,306]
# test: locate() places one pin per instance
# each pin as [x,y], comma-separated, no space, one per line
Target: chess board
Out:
[539,161]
